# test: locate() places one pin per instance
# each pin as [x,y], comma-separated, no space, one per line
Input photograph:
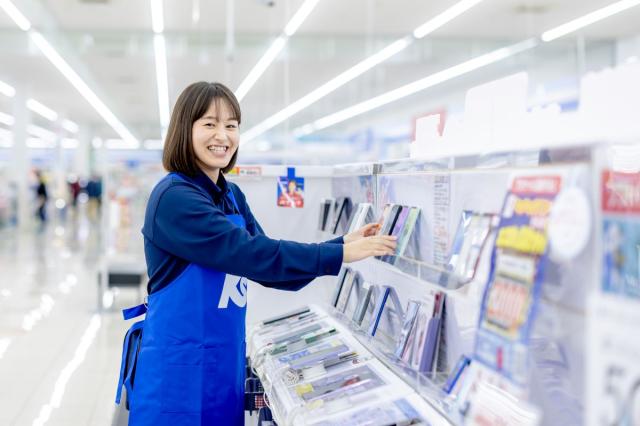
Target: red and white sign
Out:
[537,185]
[620,192]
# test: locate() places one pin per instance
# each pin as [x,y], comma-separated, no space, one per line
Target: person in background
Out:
[94,192]
[41,198]
[202,243]
[74,189]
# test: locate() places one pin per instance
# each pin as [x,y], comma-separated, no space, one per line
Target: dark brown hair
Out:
[192,104]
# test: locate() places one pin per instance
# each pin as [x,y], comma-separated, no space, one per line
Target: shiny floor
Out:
[59,356]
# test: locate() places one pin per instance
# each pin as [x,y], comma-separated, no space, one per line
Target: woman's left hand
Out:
[366,231]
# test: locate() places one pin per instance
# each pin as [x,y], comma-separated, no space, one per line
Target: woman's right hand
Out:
[377,245]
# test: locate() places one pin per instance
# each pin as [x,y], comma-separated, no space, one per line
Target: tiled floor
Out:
[59,358]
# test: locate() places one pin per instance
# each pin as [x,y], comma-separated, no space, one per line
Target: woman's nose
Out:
[219,134]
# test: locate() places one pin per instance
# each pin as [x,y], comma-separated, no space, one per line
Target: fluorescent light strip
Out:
[153,144]
[6,119]
[416,86]
[444,18]
[588,19]
[54,57]
[4,345]
[69,143]
[70,126]
[21,21]
[326,88]
[121,144]
[41,132]
[266,60]
[358,69]
[157,16]
[160,53]
[300,16]
[76,81]
[67,372]
[162,83]
[276,47]
[7,90]
[42,110]
[37,143]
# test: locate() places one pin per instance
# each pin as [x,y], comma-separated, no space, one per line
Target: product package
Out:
[404,341]
[332,387]
[417,345]
[339,283]
[429,355]
[407,230]
[350,292]
[384,413]
[366,305]
[342,216]
[387,318]
[315,354]
[303,341]
[362,216]
[456,377]
[396,230]
[286,316]
[325,215]
[390,219]
[472,233]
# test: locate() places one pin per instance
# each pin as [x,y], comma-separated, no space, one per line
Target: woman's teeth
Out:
[218,148]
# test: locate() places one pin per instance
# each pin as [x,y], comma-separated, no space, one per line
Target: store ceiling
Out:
[112,43]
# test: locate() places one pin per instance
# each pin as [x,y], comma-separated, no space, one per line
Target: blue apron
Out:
[188,367]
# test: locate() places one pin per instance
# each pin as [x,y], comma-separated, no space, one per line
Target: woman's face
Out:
[215,137]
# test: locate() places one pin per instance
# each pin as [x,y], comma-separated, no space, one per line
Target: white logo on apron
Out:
[235,288]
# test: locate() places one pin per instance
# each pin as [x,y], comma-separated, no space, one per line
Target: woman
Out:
[202,243]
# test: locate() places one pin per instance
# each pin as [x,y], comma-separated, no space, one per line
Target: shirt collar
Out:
[215,190]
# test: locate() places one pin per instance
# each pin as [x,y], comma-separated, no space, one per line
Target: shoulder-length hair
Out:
[192,104]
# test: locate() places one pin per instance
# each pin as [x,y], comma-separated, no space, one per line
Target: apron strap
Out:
[123,364]
[135,311]
[233,200]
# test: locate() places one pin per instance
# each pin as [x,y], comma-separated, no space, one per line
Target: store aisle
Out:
[59,358]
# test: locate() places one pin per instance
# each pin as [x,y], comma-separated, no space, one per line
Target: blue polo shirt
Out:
[185,223]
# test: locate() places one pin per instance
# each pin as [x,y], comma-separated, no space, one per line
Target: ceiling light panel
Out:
[416,86]
[588,19]
[67,71]
[42,110]
[357,70]
[7,90]
[275,48]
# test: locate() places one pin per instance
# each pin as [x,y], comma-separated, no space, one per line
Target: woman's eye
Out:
[209,125]
[231,126]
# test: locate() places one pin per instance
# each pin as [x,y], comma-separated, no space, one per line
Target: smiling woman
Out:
[204,131]
[201,245]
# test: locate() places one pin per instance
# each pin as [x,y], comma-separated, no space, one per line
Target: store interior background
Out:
[58,352]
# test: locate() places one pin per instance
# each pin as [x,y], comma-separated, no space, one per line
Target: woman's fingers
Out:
[370,229]
[386,241]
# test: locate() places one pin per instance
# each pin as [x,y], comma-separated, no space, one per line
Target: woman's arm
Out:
[186,225]
[254,228]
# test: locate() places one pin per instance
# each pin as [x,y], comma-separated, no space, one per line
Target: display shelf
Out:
[545,370]
[289,409]
[428,386]
[428,274]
